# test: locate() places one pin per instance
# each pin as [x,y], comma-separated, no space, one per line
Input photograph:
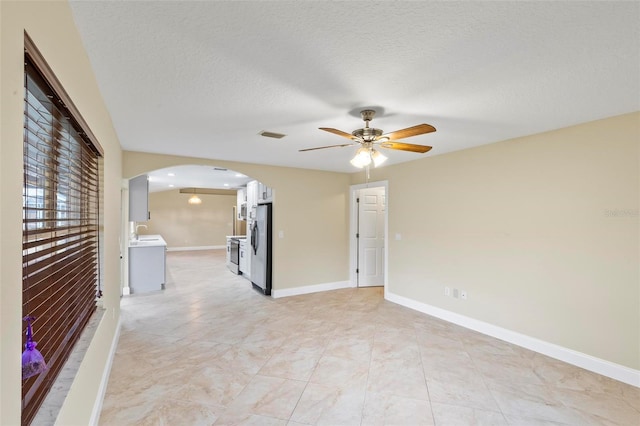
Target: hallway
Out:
[211,350]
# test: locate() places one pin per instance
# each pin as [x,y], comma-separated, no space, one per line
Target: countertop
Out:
[148,241]
[239,237]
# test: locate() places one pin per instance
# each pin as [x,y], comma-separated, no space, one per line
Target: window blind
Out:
[60,228]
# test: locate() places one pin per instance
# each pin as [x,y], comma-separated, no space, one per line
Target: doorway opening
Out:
[369,234]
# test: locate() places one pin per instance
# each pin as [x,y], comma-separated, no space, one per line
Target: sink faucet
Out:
[135,234]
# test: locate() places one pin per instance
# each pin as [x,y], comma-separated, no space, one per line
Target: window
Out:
[60,278]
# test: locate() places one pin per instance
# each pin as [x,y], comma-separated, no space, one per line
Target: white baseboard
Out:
[196,248]
[97,406]
[295,291]
[579,359]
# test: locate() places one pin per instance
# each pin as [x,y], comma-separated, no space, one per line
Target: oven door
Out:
[234,255]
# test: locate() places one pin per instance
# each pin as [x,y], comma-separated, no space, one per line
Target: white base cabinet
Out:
[147,268]
[247,260]
[244,255]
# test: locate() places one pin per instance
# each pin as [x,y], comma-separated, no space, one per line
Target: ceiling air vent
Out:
[271,135]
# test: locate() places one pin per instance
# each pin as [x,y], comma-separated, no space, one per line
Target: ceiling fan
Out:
[369,138]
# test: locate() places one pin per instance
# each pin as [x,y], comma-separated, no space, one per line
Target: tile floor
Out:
[211,350]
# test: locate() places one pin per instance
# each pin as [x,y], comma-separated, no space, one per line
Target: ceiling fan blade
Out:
[339,133]
[420,129]
[323,147]
[405,146]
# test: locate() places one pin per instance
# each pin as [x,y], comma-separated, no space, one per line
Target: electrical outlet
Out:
[447,291]
[456,293]
[463,295]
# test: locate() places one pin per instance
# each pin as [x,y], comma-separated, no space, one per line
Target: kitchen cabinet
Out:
[258,192]
[252,197]
[147,264]
[247,258]
[265,193]
[139,199]
[241,204]
[244,255]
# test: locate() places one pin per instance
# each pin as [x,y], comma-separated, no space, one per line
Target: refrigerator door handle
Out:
[254,237]
[255,251]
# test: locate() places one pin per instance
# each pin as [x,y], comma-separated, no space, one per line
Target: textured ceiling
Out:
[204,78]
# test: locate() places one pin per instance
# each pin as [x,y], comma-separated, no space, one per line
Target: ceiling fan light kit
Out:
[362,158]
[377,157]
[366,155]
[369,137]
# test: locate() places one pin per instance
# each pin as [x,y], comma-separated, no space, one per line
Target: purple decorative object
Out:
[32,360]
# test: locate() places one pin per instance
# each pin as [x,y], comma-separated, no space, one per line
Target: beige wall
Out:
[310,208]
[50,25]
[190,225]
[541,231]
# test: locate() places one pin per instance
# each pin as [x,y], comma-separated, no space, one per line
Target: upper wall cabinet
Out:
[252,197]
[241,204]
[139,199]
[257,192]
[265,193]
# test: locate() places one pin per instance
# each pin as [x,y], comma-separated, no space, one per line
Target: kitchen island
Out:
[147,264]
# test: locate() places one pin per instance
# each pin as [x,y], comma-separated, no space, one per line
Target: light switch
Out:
[281,234]
[398,236]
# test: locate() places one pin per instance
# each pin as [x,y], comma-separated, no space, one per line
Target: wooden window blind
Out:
[60,278]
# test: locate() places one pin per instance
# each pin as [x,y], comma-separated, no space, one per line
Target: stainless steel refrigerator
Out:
[261,237]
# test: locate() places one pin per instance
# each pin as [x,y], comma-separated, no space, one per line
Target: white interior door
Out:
[371,214]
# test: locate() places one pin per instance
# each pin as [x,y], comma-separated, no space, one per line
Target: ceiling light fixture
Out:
[362,158]
[366,155]
[377,157]
[194,199]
